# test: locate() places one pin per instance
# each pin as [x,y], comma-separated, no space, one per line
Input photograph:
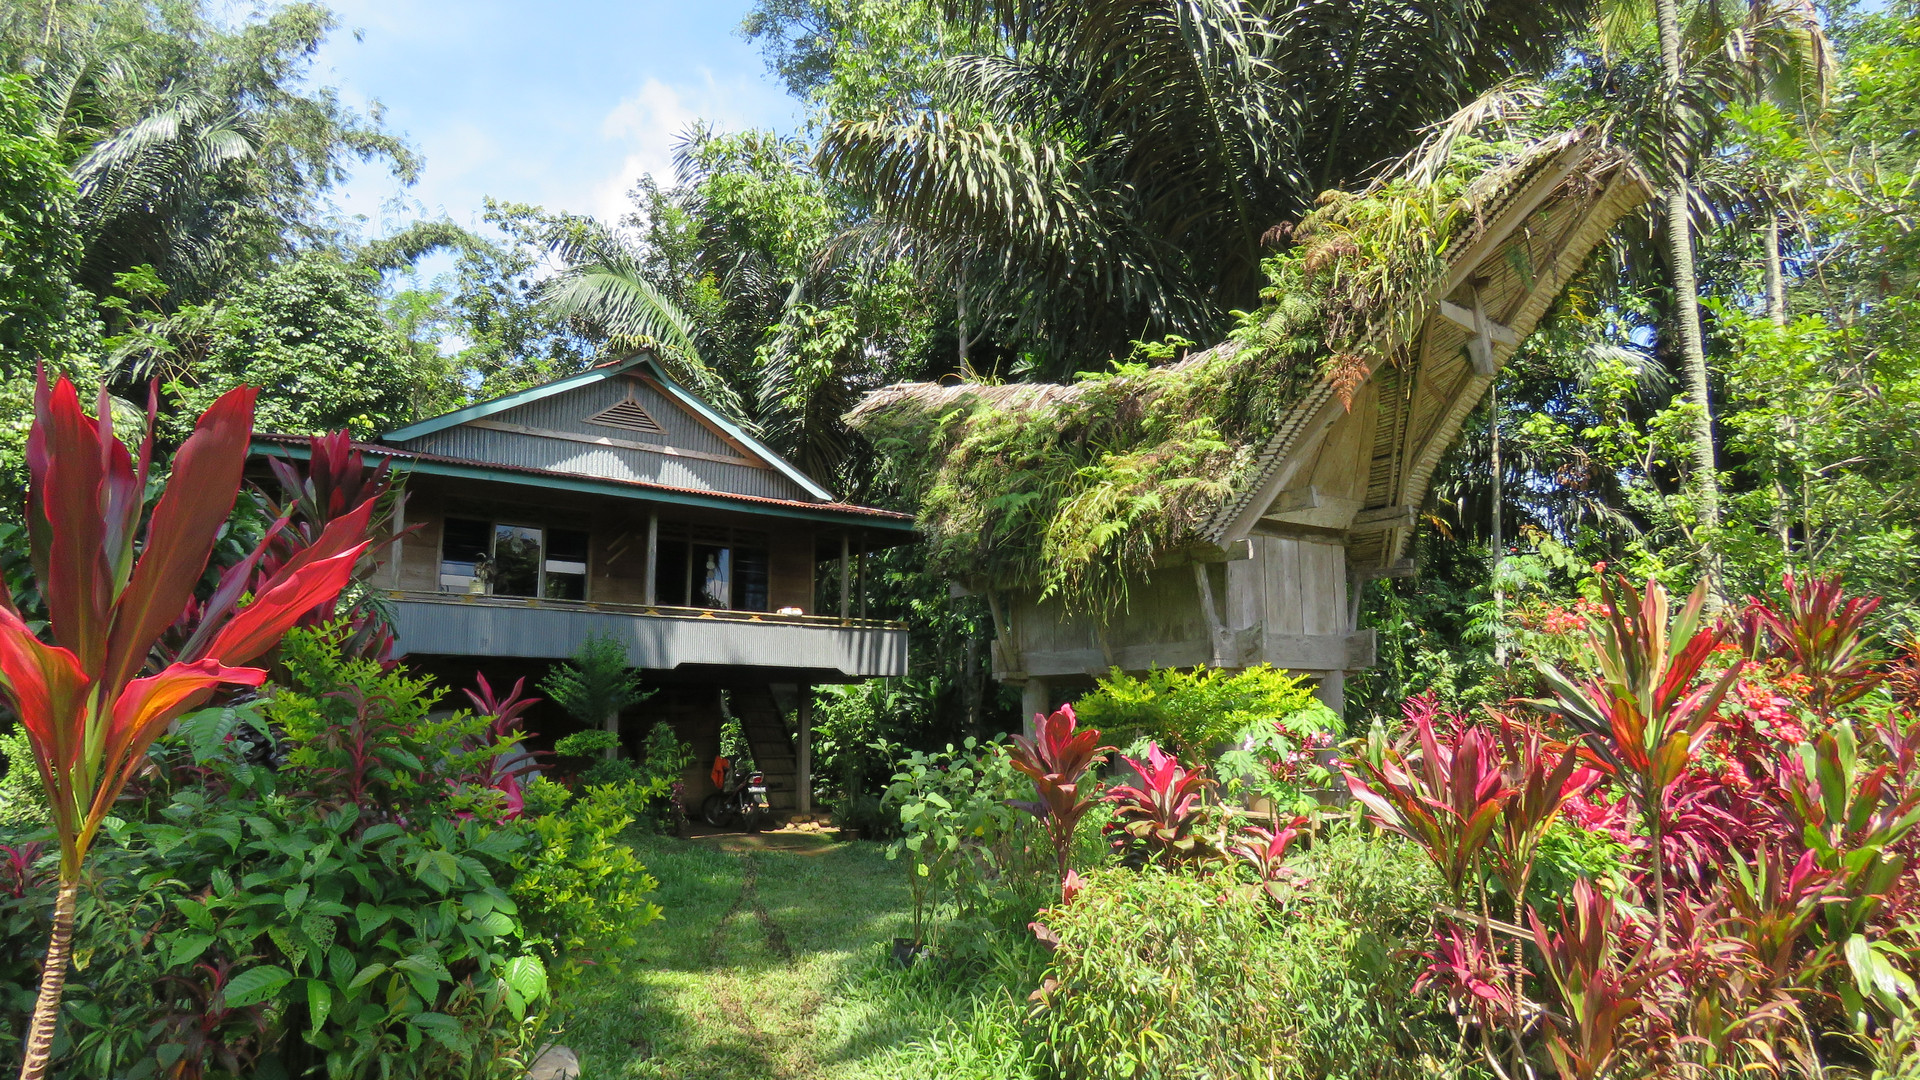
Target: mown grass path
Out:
[748,974]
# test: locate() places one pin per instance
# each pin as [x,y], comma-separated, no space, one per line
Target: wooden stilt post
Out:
[1034,699]
[846,569]
[653,558]
[804,720]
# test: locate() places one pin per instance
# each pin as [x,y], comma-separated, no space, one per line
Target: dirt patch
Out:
[792,841]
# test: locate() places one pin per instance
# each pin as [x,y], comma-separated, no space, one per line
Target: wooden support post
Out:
[1219,640]
[397,548]
[803,719]
[846,590]
[861,585]
[1034,699]
[1332,690]
[653,558]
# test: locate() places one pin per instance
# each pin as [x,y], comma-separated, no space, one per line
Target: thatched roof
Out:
[1506,247]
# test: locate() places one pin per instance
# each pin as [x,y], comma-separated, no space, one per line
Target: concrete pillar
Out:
[803,778]
[1034,698]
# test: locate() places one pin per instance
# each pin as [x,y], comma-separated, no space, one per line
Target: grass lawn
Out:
[772,962]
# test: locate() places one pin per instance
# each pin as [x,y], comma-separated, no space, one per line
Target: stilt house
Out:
[616,502]
[1318,494]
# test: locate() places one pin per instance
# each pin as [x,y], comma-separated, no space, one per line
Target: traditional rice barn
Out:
[1223,508]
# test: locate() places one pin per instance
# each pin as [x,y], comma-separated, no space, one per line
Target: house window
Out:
[506,559]
[711,568]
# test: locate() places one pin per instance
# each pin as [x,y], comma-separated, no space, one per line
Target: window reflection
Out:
[703,566]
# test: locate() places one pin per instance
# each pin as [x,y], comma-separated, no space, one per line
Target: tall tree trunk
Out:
[612,723]
[960,316]
[1499,540]
[1686,295]
[1776,275]
[53,984]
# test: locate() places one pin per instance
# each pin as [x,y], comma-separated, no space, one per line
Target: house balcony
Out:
[812,648]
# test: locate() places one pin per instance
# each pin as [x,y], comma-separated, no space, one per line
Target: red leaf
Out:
[148,705]
[69,473]
[198,500]
[48,688]
[261,624]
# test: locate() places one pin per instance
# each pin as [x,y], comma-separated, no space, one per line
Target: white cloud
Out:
[648,124]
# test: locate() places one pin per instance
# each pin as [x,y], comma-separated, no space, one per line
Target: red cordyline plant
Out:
[1542,777]
[337,482]
[1647,709]
[1164,815]
[1264,849]
[1056,759]
[1822,634]
[504,771]
[1599,988]
[111,591]
[1444,794]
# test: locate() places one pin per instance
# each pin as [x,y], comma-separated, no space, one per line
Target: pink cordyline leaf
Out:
[1446,796]
[260,625]
[1056,758]
[1822,634]
[197,501]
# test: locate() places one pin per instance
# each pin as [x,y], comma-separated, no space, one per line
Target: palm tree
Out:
[1114,167]
[1711,53]
[607,287]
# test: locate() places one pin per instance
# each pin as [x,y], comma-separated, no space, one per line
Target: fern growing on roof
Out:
[1075,489]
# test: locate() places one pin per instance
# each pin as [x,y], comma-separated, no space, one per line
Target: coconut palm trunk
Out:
[53,983]
[1686,298]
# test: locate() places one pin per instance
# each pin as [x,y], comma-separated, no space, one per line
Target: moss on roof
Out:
[1074,489]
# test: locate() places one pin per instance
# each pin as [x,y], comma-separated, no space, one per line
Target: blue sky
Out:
[561,104]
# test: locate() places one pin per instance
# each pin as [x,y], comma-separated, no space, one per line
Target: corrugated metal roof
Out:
[634,489]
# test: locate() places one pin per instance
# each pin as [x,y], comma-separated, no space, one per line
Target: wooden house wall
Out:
[693,455]
[617,556]
[1287,605]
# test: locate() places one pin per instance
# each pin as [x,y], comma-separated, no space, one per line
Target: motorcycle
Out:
[743,798]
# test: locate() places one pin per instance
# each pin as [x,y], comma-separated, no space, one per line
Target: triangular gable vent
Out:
[629,416]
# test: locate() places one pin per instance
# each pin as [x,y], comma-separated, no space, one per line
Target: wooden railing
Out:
[651,611]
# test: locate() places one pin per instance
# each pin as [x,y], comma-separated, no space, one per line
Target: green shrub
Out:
[590,743]
[23,803]
[371,907]
[970,856]
[583,890]
[1161,974]
[1193,712]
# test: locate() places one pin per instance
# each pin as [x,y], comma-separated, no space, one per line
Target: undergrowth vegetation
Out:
[1692,858]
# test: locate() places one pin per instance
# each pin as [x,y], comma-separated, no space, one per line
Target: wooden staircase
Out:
[766,730]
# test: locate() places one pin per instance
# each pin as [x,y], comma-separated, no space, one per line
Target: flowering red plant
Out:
[1164,813]
[1057,758]
[88,711]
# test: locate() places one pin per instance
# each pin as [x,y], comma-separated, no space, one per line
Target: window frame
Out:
[493,524]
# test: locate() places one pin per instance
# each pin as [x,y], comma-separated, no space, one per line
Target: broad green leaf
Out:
[527,975]
[319,1002]
[256,984]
